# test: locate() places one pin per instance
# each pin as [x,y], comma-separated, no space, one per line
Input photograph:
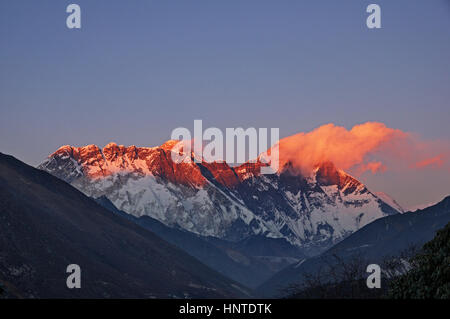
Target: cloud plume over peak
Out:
[371,146]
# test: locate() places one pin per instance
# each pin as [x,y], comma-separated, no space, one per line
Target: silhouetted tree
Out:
[429,274]
[339,277]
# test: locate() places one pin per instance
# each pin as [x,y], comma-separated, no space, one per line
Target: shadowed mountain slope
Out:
[250,261]
[46,224]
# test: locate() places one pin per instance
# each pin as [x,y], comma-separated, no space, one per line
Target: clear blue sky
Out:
[138,69]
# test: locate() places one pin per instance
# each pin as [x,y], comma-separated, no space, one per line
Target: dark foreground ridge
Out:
[46,224]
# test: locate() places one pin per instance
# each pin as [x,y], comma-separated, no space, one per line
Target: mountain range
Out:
[311,211]
[47,224]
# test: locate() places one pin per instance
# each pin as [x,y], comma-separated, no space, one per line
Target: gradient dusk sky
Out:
[138,69]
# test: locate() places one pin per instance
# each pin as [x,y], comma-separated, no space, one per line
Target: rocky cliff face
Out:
[214,199]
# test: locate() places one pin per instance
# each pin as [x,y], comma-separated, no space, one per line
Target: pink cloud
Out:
[371,146]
